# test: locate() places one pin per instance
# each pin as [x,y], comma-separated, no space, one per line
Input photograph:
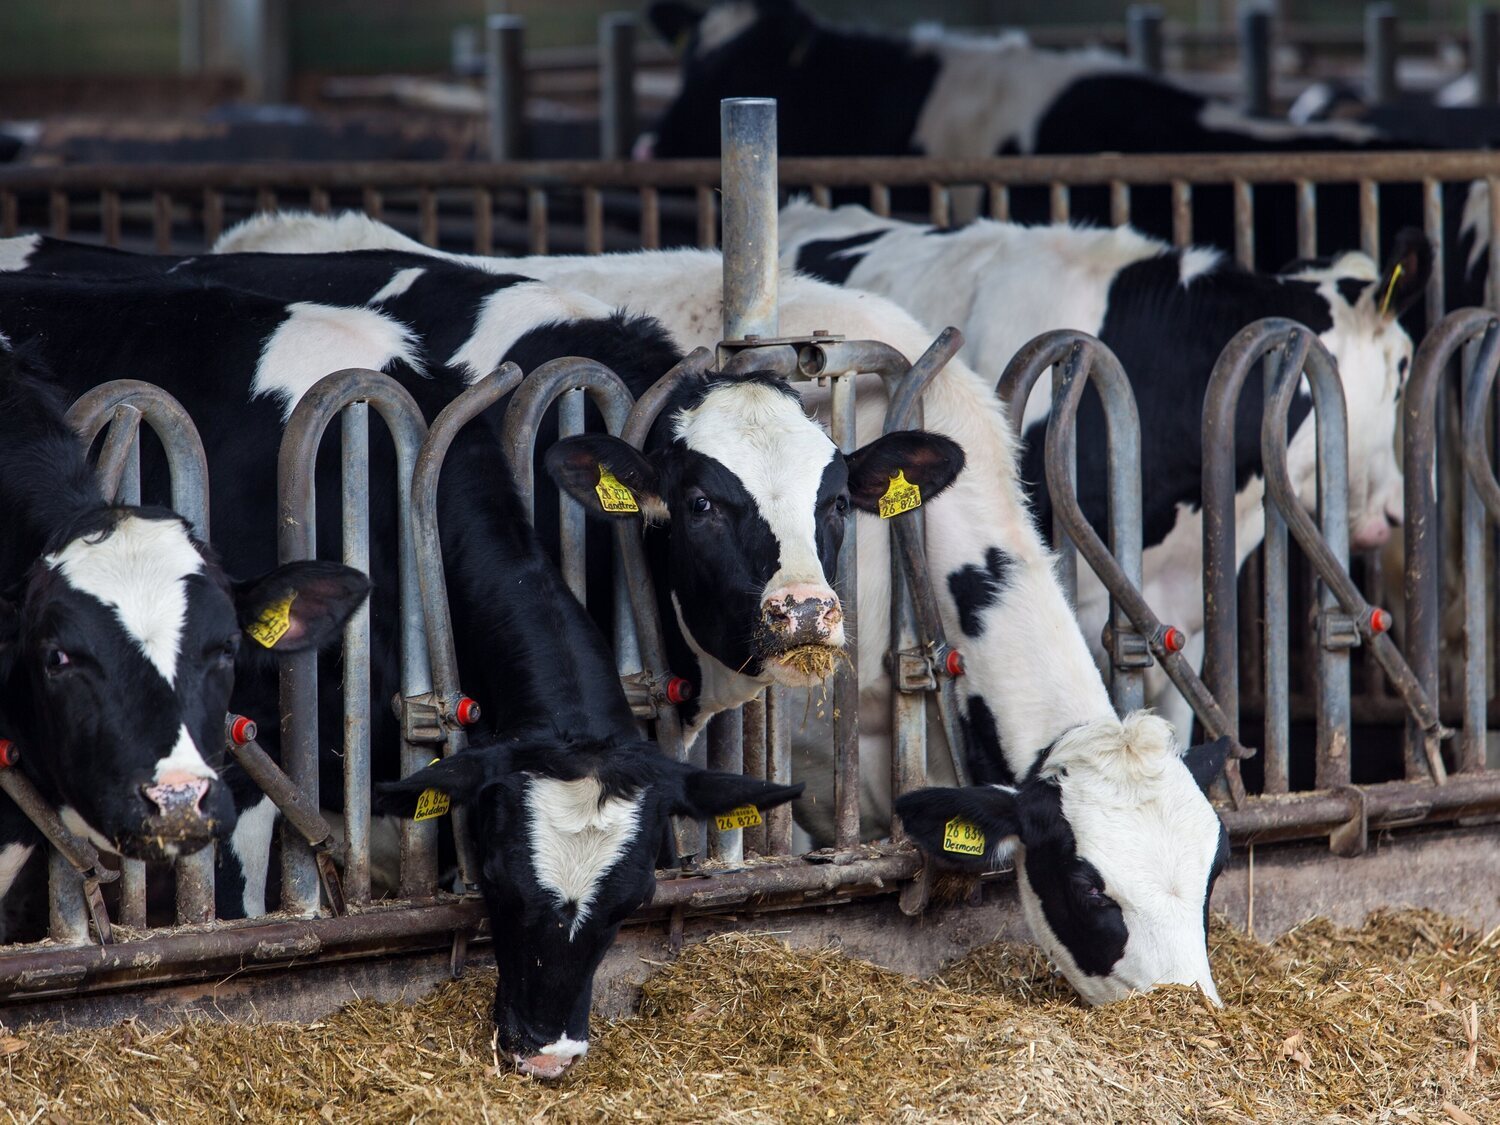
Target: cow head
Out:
[754,497]
[569,836]
[1116,850]
[1374,353]
[120,648]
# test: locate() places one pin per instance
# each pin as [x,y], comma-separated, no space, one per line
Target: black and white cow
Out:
[1167,314]
[1030,678]
[120,634]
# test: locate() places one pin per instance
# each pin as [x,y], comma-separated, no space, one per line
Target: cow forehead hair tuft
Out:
[693,391]
[1137,749]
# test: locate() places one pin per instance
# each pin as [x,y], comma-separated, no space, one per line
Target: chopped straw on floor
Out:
[1397,1021]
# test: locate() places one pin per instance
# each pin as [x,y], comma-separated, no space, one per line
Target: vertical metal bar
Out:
[536,219]
[318,201]
[821,196]
[1493,290]
[748,144]
[1244,224]
[213,215]
[939,206]
[1119,203]
[650,218]
[617,115]
[708,217]
[1143,23]
[753,743]
[1484,53]
[999,203]
[726,751]
[1307,219]
[427,216]
[908,708]
[1061,203]
[192,36]
[67,917]
[593,221]
[57,207]
[779,767]
[846,677]
[1067,553]
[505,84]
[109,216]
[265,200]
[1276,700]
[161,221]
[9,213]
[572,519]
[133,893]
[1432,226]
[484,221]
[1182,213]
[1382,48]
[1255,58]
[373,201]
[1476,658]
[355,454]
[880,200]
[1369,218]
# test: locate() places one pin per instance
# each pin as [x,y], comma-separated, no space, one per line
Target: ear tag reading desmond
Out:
[746,816]
[901,496]
[614,496]
[273,621]
[432,803]
[960,836]
[1385,302]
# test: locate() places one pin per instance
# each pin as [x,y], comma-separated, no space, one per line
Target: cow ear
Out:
[973,827]
[930,462]
[1406,274]
[611,478]
[702,793]
[675,22]
[299,605]
[460,777]
[1206,762]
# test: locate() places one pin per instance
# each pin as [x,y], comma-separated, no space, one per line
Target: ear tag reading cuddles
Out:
[614,496]
[273,622]
[901,496]
[1385,302]
[432,803]
[746,816]
[960,836]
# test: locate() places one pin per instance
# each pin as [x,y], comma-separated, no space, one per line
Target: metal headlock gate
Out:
[350,926]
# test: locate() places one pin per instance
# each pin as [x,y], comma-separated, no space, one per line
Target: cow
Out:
[120,637]
[1013,283]
[1030,677]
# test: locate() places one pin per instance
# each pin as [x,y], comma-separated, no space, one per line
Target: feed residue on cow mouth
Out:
[813,661]
[1393,1022]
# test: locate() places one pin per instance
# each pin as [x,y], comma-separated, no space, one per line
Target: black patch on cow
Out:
[947,230]
[829,259]
[1221,858]
[975,589]
[986,753]
[1351,289]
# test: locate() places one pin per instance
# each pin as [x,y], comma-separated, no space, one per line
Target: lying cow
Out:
[120,635]
[1167,314]
[1018,697]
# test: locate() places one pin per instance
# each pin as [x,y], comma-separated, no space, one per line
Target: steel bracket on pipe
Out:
[421,718]
[1127,649]
[1352,838]
[914,670]
[1338,631]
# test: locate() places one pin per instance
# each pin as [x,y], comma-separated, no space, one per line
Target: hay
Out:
[1395,1021]
[816,661]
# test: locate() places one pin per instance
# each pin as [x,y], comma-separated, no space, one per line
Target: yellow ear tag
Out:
[614,496]
[962,837]
[746,816]
[902,496]
[1385,302]
[432,803]
[273,622]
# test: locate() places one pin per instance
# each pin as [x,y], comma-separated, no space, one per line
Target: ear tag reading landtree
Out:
[746,816]
[960,836]
[901,496]
[273,621]
[614,496]
[432,803]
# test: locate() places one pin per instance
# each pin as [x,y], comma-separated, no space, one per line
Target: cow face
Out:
[569,837]
[1374,355]
[1116,849]
[755,498]
[122,646]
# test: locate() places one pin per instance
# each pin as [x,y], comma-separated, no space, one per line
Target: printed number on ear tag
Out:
[901,496]
[273,622]
[746,816]
[432,803]
[960,836]
[614,496]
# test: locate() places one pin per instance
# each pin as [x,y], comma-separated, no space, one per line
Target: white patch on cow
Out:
[73,821]
[576,840]
[508,314]
[13,858]
[1225,118]
[317,340]
[1139,817]
[184,758]
[1197,261]
[16,252]
[251,844]
[764,438]
[140,570]
[302,232]
[398,284]
[723,23]
[564,1048]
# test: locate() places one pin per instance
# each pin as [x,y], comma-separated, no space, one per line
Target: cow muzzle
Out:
[179,825]
[801,627]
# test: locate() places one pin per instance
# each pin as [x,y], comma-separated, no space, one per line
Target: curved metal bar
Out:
[296,538]
[1481,496]
[1479,381]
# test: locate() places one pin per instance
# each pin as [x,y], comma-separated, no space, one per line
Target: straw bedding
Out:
[1398,1021]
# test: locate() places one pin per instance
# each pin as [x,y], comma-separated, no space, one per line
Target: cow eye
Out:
[224,652]
[56,660]
[841,505]
[701,504]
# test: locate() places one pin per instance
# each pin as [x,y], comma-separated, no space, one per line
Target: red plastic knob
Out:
[466,712]
[1172,639]
[242,730]
[1380,619]
[679,690]
[10,753]
[953,663]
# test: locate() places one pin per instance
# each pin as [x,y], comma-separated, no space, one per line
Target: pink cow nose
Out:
[177,795]
[803,614]
[1371,533]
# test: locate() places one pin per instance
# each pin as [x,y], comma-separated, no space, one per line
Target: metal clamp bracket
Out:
[1127,648]
[1338,630]
[421,717]
[914,670]
[1352,838]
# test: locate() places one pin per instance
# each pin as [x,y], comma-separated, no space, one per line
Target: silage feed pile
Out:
[1398,1021]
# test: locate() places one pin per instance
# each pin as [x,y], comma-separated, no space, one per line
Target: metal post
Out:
[192,36]
[1143,24]
[1484,53]
[617,116]
[1381,50]
[748,143]
[1255,58]
[356,551]
[263,47]
[505,84]
[465,53]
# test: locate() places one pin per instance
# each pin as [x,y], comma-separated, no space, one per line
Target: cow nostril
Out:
[173,797]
